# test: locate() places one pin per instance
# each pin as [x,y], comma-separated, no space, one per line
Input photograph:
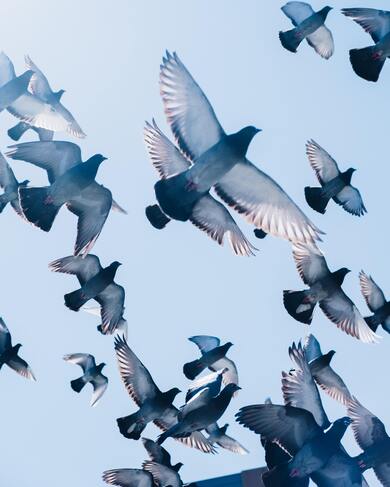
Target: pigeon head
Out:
[230,389]
[100,367]
[324,11]
[339,275]
[172,393]
[177,467]
[338,428]
[26,77]
[227,346]
[97,159]
[115,264]
[224,428]
[17,347]
[347,175]
[24,183]
[243,138]
[328,356]
[58,94]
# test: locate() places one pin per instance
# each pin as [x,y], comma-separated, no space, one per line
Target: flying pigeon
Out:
[220,162]
[335,185]
[153,404]
[10,185]
[96,283]
[159,454]
[309,25]
[325,289]
[121,327]
[92,205]
[207,214]
[163,476]
[218,435]
[377,303]
[368,62]
[92,373]
[9,354]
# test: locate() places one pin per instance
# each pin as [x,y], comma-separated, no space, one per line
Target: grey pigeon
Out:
[128,477]
[335,185]
[368,62]
[213,357]
[159,454]
[28,107]
[92,205]
[325,289]
[324,375]
[96,283]
[370,434]
[207,214]
[9,354]
[163,476]
[309,25]
[153,404]
[92,374]
[377,303]
[218,435]
[201,416]
[10,185]
[220,162]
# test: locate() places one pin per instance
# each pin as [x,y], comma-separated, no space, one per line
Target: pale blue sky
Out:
[178,282]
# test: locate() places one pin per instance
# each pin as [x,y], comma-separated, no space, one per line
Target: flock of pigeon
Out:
[300,442]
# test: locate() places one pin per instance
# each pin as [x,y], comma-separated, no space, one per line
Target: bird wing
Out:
[56,157]
[5,336]
[312,348]
[310,262]
[156,452]
[21,367]
[112,301]
[213,218]
[99,383]
[13,89]
[351,200]
[92,207]
[205,343]
[165,157]
[85,360]
[287,426]
[201,398]
[382,471]
[189,113]
[340,471]
[72,127]
[330,381]
[339,308]
[135,376]
[323,164]
[8,180]
[39,84]
[375,22]
[372,293]
[322,42]
[212,381]
[7,70]
[194,440]
[297,12]
[299,389]
[225,441]
[83,267]
[367,428]
[229,376]
[128,477]
[163,475]
[262,202]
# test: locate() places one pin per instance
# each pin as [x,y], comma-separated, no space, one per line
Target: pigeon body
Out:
[309,25]
[377,303]
[325,289]
[96,283]
[9,354]
[208,359]
[335,185]
[218,435]
[92,374]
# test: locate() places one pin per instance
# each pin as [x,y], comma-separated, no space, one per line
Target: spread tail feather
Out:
[298,306]
[38,206]
[315,199]
[18,130]
[373,322]
[131,427]
[366,63]
[75,300]
[156,217]
[193,369]
[290,39]
[78,384]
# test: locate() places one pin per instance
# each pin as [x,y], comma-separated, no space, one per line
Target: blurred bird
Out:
[219,161]
[377,303]
[153,404]
[325,289]
[92,374]
[207,214]
[159,454]
[10,185]
[368,62]
[335,185]
[218,435]
[202,415]
[213,357]
[309,25]
[96,283]
[92,205]
[9,354]
[128,477]
[12,89]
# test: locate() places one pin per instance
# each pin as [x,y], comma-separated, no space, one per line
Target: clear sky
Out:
[178,282]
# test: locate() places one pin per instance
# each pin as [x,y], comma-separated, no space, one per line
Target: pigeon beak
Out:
[258,130]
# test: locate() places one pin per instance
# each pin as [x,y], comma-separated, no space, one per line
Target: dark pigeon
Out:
[11,186]
[92,374]
[220,162]
[368,62]
[377,303]
[218,435]
[325,289]
[128,477]
[92,205]
[207,214]
[9,355]
[309,25]
[96,283]
[153,404]
[163,475]
[202,414]
[159,454]
[335,185]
